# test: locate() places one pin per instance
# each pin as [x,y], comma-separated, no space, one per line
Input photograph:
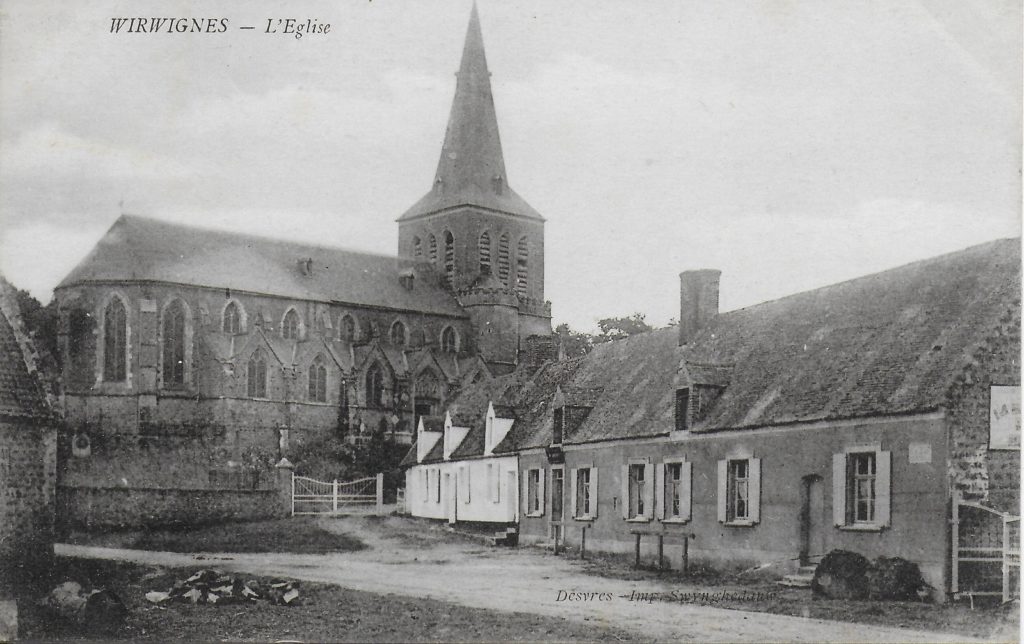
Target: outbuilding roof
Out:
[143,249]
[21,393]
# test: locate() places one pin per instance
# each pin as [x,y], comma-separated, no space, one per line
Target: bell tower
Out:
[485,241]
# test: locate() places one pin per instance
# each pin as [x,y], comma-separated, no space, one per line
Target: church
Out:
[190,352]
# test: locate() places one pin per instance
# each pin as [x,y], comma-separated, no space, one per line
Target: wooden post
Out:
[637,564]
[334,497]
[583,543]
[686,553]
[954,584]
[380,493]
[1006,564]
[661,552]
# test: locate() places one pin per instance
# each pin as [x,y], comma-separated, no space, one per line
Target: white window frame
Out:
[533,492]
[843,482]
[575,510]
[664,503]
[644,494]
[726,490]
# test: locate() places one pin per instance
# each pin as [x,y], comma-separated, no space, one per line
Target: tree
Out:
[619,328]
[574,343]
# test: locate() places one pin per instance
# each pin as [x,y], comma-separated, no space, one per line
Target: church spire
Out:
[471,170]
[471,156]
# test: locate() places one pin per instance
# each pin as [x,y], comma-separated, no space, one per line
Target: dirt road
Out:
[427,562]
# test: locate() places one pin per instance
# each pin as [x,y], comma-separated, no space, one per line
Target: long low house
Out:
[854,416]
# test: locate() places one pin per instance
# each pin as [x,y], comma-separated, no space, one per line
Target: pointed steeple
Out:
[471,170]
[472,146]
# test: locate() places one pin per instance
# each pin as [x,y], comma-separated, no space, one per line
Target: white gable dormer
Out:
[495,429]
[453,436]
[425,440]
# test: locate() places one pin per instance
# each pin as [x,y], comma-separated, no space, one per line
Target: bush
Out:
[842,575]
[894,578]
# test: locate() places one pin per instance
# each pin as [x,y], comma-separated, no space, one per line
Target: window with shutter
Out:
[739,491]
[861,488]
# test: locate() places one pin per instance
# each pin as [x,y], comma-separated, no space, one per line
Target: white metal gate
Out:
[310,496]
[986,552]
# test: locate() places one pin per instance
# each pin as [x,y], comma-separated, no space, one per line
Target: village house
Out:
[853,416]
[28,457]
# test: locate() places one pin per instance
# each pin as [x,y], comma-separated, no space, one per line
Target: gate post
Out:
[380,493]
[1006,561]
[954,573]
[334,495]
[285,488]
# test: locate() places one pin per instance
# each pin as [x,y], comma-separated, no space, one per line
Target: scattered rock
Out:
[211,587]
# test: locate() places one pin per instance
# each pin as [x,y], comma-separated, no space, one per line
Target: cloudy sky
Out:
[789,143]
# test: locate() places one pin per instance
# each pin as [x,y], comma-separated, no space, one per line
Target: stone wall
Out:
[94,508]
[978,473]
[27,480]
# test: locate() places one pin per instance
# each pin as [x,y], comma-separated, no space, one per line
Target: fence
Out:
[313,497]
[986,552]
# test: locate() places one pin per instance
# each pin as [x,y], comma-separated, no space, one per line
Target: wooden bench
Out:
[661,534]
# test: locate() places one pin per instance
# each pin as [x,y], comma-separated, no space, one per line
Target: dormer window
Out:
[558,431]
[498,183]
[682,409]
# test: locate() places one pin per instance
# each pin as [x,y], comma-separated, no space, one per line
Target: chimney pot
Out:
[698,301]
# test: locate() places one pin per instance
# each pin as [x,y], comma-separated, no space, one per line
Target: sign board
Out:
[1004,417]
[920,453]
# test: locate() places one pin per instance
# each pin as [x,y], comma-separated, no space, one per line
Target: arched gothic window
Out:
[318,381]
[485,252]
[174,345]
[256,385]
[290,325]
[347,328]
[375,391]
[522,257]
[449,340]
[503,258]
[417,248]
[397,335]
[432,248]
[115,341]
[232,322]
[449,259]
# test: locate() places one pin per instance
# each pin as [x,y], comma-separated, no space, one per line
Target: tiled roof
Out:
[885,344]
[888,343]
[436,453]
[471,445]
[410,457]
[138,248]
[21,394]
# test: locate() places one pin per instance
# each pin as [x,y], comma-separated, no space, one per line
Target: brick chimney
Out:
[698,301]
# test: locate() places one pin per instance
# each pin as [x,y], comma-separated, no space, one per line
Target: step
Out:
[808,570]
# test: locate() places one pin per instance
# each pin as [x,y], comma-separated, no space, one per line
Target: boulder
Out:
[894,578]
[842,575]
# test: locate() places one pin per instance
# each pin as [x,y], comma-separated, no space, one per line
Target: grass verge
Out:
[298,535]
[760,593]
[324,614]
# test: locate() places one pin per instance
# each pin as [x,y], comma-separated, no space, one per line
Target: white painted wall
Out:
[487,489]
